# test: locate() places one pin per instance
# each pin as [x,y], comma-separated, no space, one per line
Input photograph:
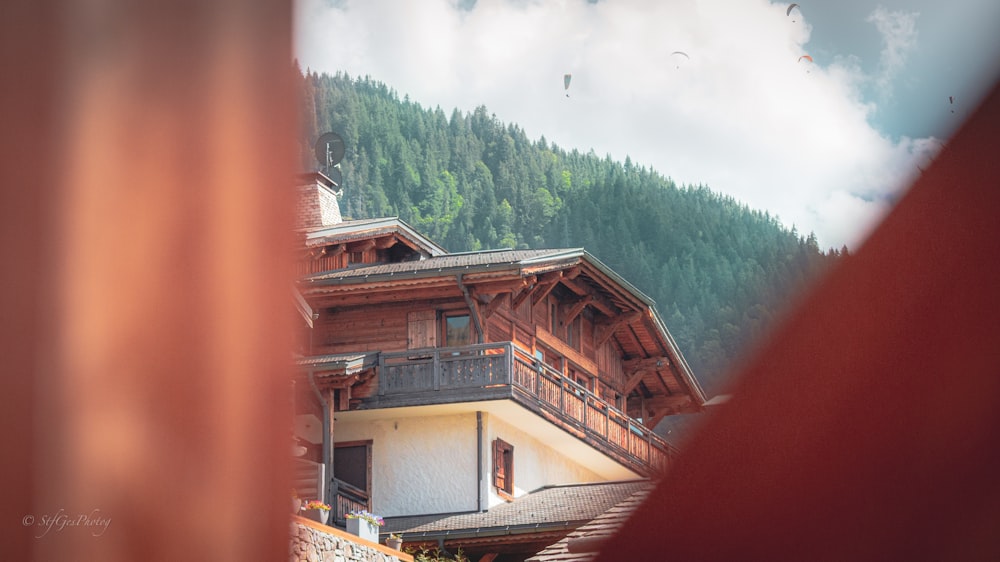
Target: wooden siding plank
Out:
[566,351]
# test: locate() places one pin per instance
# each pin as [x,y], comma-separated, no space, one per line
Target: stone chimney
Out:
[317,205]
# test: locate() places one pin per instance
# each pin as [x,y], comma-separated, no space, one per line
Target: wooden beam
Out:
[606,330]
[668,402]
[331,251]
[545,286]
[600,302]
[577,308]
[494,304]
[555,344]
[632,382]
[362,246]
[656,418]
[646,364]
[385,242]
[631,336]
[517,301]
[470,300]
[488,557]
[494,287]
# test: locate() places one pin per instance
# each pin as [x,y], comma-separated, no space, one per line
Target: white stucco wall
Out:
[427,464]
[535,463]
[420,465]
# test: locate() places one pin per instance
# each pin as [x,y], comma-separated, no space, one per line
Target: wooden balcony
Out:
[504,371]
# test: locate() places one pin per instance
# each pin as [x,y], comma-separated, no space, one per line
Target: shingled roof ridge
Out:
[582,484]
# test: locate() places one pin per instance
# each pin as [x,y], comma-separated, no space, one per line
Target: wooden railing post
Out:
[509,350]
[436,370]
[538,377]
[649,445]
[607,422]
[381,375]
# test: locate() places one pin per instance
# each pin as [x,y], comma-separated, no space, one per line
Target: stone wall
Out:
[312,542]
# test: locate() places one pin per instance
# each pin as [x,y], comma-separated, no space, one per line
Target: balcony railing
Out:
[489,366]
[347,498]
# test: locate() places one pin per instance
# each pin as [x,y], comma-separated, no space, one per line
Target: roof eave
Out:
[389,222]
[496,531]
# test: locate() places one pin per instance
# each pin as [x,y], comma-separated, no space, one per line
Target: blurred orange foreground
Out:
[868,427]
[146,301]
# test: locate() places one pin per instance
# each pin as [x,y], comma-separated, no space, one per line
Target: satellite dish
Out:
[329,149]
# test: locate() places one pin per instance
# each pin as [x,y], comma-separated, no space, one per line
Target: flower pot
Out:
[319,515]
[394,543]
[363,529]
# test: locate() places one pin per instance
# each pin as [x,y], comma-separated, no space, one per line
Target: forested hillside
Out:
[719,272]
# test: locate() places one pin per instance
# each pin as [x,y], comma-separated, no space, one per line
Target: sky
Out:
[826,146]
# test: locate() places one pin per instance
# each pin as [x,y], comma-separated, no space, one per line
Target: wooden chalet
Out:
[549,351]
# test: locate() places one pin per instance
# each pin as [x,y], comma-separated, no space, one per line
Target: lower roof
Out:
[582,544]
[549,507]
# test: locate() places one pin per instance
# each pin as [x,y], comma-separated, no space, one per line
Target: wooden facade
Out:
[396,321]
[573,320]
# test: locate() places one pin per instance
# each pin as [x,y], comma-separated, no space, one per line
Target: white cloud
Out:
[899,38]
[742,115]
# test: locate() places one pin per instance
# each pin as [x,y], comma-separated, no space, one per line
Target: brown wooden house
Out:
[436,382]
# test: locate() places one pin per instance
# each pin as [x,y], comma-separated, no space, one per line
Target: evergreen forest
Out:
[721,273]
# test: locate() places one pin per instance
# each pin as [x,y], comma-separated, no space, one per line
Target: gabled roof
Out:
[547,508]
[496,265]
[353,230]
[583,544]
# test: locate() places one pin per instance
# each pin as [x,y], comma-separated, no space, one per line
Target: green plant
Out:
[369,517]
[426,554]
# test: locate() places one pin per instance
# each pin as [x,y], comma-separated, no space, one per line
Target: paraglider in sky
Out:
[951,101]
[788,12]
[805,57]
[678,55]
[566,80]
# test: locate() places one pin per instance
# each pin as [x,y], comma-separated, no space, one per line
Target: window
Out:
[581,379]
[503,468]
[549,358]
[457,330]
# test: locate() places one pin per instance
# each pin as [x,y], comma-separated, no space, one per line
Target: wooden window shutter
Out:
[503,466]
[421,329]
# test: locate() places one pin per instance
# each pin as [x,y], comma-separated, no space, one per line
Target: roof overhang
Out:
[350,230]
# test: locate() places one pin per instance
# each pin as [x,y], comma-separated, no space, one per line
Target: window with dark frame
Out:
[503,467]
[457,330]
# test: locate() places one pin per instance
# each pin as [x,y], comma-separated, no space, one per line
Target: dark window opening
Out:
[457,330]
[350,464]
